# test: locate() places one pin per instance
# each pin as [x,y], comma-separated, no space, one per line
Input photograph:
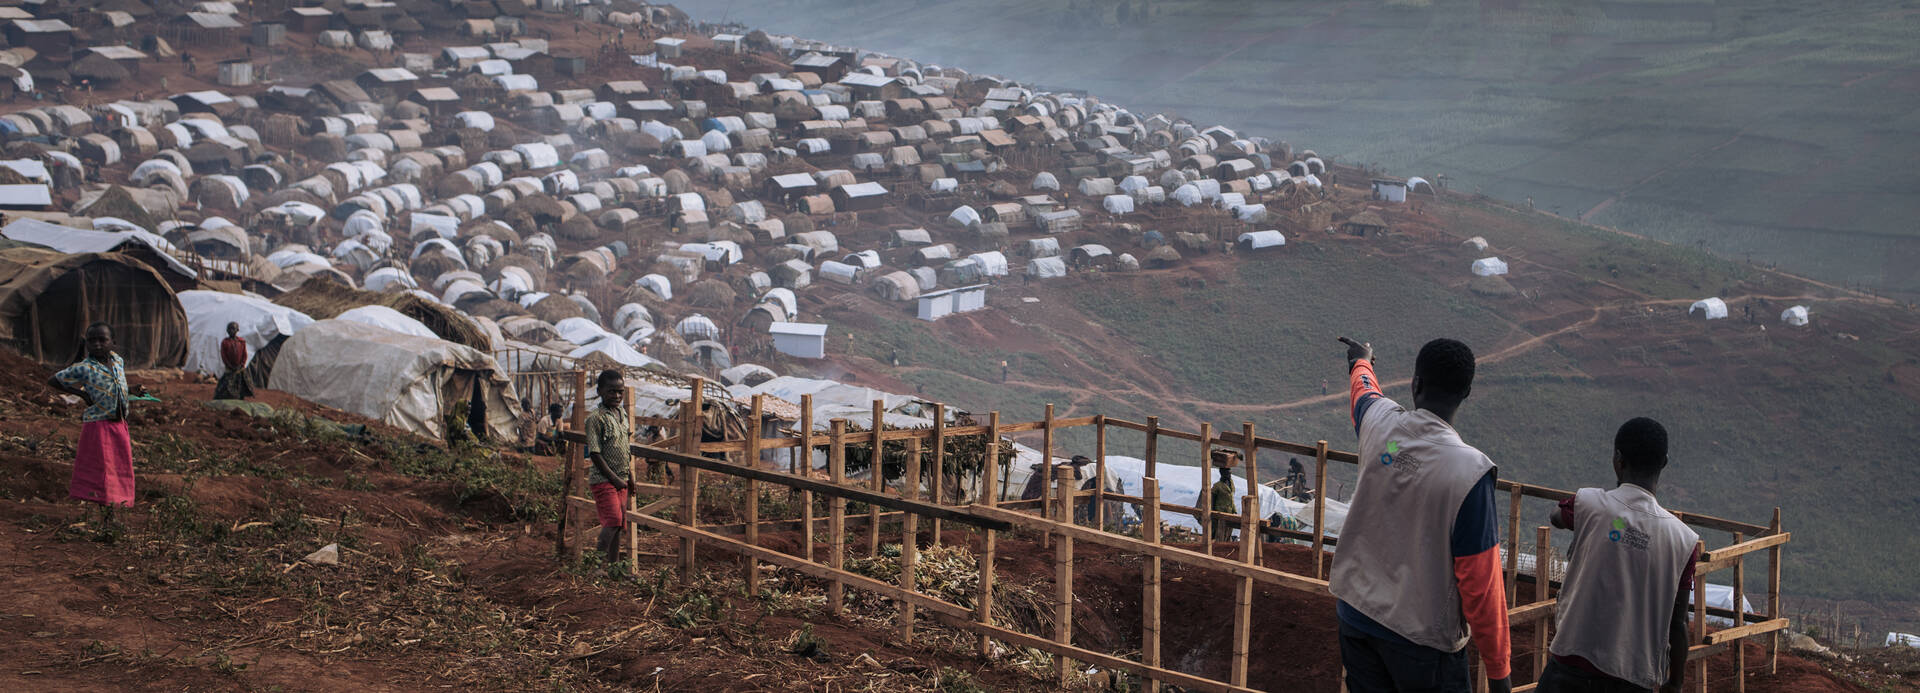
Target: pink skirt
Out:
[103,465]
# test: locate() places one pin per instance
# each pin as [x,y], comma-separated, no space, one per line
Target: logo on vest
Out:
[1623,534]
[1402,462]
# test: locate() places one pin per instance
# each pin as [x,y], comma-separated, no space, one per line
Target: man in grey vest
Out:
[1419,556]
[1622,614]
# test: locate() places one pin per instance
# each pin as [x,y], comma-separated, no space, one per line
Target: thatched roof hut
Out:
[47,298]
[710,293]
[1163,256]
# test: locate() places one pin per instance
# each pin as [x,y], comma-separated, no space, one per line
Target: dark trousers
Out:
[1374,665]
[1560,678]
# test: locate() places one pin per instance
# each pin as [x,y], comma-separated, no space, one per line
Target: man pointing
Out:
[1418,561]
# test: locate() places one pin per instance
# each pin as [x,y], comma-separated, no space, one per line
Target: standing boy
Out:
[233,354]
[1419,556]
[608,438]
[1623,608]
[103,459]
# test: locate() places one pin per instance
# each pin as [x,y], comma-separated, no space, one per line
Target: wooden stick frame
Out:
[989,515]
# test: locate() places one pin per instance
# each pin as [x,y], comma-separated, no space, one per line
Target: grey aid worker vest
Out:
[1622,579]
[1394,561]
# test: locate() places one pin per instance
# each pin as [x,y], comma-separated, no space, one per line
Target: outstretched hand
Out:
[1357,351]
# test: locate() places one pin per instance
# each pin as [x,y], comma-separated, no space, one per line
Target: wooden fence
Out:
[1052,517]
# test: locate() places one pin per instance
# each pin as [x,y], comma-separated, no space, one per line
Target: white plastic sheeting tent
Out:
[384,317]
[1489,267]
[1712,308]
[1795,316]
[1118,204]
[1047,267]
[1184,485]
[208,312]
[964,216]
[401,380]
[1255,240]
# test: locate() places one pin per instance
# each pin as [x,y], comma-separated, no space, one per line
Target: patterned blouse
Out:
[105,383]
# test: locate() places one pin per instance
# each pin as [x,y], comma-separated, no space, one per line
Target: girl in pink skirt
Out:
[103,463]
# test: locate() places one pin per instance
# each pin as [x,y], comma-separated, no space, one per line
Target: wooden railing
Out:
[1052,518]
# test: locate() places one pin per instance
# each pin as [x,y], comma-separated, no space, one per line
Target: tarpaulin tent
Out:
[405,381]
[263,324]
[1489,267]
[1711,308]
[48,298]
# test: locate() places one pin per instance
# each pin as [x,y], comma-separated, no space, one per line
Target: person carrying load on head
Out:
[1418,565]
[1621,623]
[1221,496]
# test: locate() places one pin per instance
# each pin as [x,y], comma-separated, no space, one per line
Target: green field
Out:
[1771,129]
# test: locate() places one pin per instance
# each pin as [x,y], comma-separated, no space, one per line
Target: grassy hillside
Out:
[1811,420]
[1767,128]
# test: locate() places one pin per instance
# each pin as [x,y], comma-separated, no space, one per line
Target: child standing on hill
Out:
[103,459]
[233,354]
[608,438]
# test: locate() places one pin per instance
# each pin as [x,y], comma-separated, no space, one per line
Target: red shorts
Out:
[610,505]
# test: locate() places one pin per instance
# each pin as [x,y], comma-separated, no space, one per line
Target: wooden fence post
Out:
[983,604]
[1740,618]
[692,425]
[991,468]
[1513,546]
[909,537]
[1320,510]
[1153,446]
[1100,472]
[1150,578]
[1062,571]
[1542,581]
[1700,617]
[1046,468]
[1205,501]
[807,520]
[939,463]
[633,474]
[756,411]
[1243,596]
[574,450]
[1249,451]
[1773,595]
[875,468]
[837,515]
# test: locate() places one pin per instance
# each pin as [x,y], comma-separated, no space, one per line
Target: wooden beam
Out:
[1206,496]
[1773,595]
[837,515]
[1177,555]
[806,567]
[909,539]
[876,474]
[1721,555]
[691,431]
[1531,612]
[989,496]
[826,488]
[1150,579]
[1062,568]
[1152,430]
[939,463]
[1100,472]
[1700,618]
[983,601]
[807,519]
[755,417]
[1542,584]
[1728,635]
[1319,510]
[1739,602]
[1243,592]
